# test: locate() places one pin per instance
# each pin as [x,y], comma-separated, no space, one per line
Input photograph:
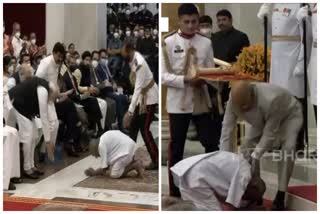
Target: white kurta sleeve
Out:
[43,109]
[42,70]
[271,128]
[228,125]
[170,79]
[11,83]
[140,79]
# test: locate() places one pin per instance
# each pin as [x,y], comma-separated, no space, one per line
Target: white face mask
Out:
[128,12]
[17,35]
[142,7]
[116,35]
[136,33]
[78,61]
[141,32]
[206,31]
[94,63]
[128,33]
[155,32]
[33,41]
[11,69]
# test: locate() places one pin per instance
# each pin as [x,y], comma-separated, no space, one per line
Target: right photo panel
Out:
[239,107]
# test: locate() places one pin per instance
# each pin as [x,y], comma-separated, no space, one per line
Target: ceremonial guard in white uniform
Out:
[287,56]
[183,52]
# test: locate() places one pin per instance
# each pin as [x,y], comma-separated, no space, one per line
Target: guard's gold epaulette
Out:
[167,35]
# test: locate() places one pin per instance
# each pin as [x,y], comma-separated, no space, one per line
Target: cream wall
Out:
[82,24]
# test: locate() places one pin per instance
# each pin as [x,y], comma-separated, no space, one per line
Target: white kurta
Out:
[313,59]
[113,146]
[49,71]
[180,97]
[200,178]
[11,155]
[17,46]
[287,55]
[143,78]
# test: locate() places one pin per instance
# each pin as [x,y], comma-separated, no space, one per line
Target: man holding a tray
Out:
[187,96]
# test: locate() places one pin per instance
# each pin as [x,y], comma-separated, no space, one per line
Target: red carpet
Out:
[28,204]
[307,192]
[267,204]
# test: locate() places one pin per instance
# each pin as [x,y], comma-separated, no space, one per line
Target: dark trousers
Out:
[91,107]
[142,123]
[300,139]
[315,111]
[179,124]
[121,106]
[67,112]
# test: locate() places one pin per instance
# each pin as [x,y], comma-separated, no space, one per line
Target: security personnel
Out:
[186,94]
[287,51]
[143,103]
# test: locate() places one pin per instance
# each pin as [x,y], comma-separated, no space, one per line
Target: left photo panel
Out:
[80,107]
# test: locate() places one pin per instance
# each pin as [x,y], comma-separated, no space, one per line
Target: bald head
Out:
[25,72]
[242,95]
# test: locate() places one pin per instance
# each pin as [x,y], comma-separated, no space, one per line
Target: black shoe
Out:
[278,206]
[33,175]
[152,166]
[38,172]
[16,180]
[11,186]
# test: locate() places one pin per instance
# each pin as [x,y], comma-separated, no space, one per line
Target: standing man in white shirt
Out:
[210,179]
[143,103]
[187,95]
[116,151]
[49,69]
[17,42]
[30,98]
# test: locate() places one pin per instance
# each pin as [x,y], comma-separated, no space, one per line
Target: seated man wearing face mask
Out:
[108,88]
[114,49]
[15,78]
[34,49]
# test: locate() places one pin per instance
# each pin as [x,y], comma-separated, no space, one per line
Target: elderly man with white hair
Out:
[30,98]
[274,118]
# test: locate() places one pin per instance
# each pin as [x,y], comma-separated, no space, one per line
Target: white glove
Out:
[302,13]
[264,10]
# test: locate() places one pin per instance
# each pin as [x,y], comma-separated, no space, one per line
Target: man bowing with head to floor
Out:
[274,119]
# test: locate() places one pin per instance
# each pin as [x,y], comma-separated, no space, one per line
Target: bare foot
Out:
[139,167]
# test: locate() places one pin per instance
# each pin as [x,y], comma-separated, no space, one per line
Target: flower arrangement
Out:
[251,61]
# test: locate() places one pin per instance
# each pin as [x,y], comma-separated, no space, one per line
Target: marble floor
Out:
[61,178]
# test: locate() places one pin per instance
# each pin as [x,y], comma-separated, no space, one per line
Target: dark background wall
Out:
[32,18]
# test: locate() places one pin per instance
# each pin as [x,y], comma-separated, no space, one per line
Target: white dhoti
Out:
[11,155]
[120,165]
[103,109]
[53,122]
